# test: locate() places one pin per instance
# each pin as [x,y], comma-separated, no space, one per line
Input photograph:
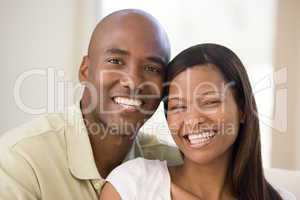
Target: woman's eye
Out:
[151,68]
[211,103]
[115,61]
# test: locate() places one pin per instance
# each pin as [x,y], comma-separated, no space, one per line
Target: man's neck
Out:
[109,150]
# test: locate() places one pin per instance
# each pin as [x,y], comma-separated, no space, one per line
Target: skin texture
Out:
[200,100]
[109,192]
[127,57]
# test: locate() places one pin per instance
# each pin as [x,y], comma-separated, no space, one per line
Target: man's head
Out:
[126,60]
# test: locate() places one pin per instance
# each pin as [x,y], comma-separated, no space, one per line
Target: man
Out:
[68,156]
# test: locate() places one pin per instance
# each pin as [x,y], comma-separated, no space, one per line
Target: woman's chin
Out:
[200,159]
[208,157]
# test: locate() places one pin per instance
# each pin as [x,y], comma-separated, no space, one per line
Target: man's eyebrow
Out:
[175,99]
[157,59]
[117,51]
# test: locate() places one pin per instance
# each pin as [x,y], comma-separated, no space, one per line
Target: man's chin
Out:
[120,136]
[128,120]
[123,135]
[123,127]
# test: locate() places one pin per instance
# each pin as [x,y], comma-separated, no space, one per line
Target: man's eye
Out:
[115,61]
[176,109]
[151,68]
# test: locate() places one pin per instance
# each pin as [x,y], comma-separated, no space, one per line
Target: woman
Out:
[212,115]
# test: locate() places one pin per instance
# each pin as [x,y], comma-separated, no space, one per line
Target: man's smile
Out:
[129,104]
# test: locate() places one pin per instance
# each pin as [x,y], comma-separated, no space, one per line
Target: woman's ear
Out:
[242,117]
[83,70]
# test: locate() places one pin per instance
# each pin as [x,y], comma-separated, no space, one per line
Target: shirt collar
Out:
[79,151]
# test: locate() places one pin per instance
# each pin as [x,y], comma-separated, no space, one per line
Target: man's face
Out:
[127,70]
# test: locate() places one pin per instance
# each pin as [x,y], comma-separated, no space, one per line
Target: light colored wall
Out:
[286,145]
[39,34]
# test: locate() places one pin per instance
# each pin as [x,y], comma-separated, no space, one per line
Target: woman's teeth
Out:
[198,140]
[203,135]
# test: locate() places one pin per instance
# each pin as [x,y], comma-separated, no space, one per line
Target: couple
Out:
[209,107]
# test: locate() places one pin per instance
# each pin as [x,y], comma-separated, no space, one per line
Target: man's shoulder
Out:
[154,148]
[31,147]
[22,148]
[48,125]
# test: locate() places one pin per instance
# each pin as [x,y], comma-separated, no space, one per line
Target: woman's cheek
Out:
[174,125]
[174,129]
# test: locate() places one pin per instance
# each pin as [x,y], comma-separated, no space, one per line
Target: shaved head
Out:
[126,62]
[142,26]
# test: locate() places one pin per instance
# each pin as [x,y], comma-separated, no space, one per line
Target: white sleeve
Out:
[141,179]
[285,195]
[126,178]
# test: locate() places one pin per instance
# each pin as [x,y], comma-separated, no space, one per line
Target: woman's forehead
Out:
[204,79]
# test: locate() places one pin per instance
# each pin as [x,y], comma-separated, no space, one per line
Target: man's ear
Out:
[83,70]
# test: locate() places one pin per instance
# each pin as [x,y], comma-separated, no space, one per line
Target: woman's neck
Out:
[206,181]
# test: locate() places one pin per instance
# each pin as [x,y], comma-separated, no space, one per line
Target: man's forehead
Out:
[131,32]
[129,28]
[125,43]
[136,21]
[153,56]
[128,15]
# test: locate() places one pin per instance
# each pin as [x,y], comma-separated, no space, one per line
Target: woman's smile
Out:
[200,139]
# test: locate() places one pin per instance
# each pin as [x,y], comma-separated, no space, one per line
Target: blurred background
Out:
[42,44]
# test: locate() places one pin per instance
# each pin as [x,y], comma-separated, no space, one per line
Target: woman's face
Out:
[202,114]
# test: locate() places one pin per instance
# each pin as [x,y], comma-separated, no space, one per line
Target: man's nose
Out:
[132,80]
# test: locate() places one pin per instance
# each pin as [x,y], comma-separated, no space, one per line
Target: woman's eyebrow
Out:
[210,92]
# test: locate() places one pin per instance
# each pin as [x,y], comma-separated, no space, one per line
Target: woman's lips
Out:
[199,140]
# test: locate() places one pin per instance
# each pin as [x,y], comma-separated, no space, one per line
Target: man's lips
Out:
[128,103]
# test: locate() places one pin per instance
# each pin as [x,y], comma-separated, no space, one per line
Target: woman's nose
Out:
[194,122]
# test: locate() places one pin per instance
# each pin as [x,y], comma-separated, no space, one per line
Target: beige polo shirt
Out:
[51,158]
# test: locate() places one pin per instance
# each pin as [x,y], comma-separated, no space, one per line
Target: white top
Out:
[142,179]
[150,179]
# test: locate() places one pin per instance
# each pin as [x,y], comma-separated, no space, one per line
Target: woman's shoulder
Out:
[128,178]
[135,169]
[141,165]
[285,195]
[143,161]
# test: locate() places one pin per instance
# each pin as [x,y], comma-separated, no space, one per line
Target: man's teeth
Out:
[128,101]
[201,136]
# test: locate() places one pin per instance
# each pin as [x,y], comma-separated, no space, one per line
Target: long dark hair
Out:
[245,170]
